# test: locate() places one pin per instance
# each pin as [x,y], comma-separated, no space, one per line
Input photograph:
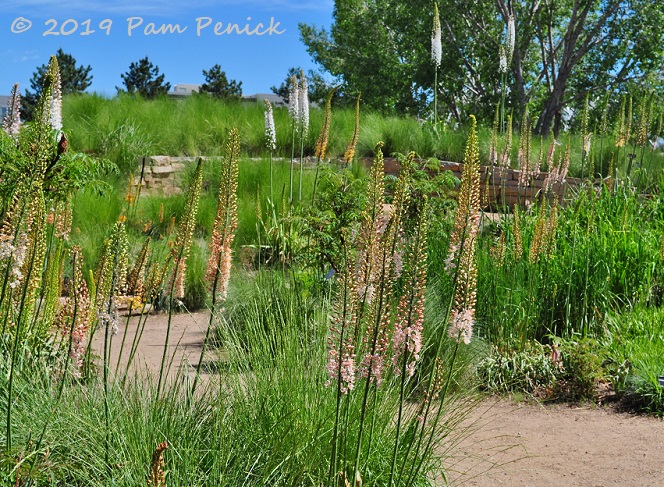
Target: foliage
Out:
[144,79]
[583,363]
[634,350]
[378,51]
[339,201]
[318,86]
[74,79]
[381,50]
[218,85]
[529,370]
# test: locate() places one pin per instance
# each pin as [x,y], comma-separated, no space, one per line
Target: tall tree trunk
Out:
[552,111]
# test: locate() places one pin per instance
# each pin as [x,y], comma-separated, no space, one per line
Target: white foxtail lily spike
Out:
[303,103]
[12,121]
[510,40]
[293,105]
[502,67]
[270,131]
[56,100]
[436,42]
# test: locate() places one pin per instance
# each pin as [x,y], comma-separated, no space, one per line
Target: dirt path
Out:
[507,444]
[559,445]
[184,344]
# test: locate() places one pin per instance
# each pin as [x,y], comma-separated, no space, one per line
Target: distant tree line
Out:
[143,79]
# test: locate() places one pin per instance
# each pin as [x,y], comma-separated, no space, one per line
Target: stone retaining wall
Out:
[161,175]
[504,189]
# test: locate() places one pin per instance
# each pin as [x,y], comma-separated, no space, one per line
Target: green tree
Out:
[379,49]
[73,79]
[217,84]
[318,87]
[563,49]
[144,78]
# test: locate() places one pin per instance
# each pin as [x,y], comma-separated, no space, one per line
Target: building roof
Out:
[259,97]
[4,100]
[184,89]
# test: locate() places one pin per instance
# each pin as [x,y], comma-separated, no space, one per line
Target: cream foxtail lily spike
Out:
[436,42]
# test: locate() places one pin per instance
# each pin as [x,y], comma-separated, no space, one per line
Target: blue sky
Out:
[259,61]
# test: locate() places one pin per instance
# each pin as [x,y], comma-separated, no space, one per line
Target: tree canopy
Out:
[144,79]
[73,79]
[318,86]
[562,50]
[218,85]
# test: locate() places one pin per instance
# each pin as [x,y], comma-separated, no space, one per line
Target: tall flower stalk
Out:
[349,154]
[29,253]
[323,137]
[179,254]
[270,138]
[463,245]
[408,326]
[294,112]
[436,57]
[111,283]
[376,329]
[303,108]
[11,123]
[56,96]
[506,51]
[223,233]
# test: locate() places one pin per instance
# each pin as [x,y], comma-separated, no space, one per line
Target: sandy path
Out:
[559,445]
[184,347]
[507,444]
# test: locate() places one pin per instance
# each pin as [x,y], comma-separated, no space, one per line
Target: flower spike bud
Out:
[303,104]
[12,121]
[510,39]
[502,65]
[436,41]
[56,95]
[293,101]
[270,131]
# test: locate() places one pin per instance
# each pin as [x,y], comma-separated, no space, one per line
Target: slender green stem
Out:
[435,97]
[138,334]
[402,389]
[335,434]
[18,333]
[415,469]
[299,194]
[124,335]
[292,161]
[171,302]
[271,179]
[209,327]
